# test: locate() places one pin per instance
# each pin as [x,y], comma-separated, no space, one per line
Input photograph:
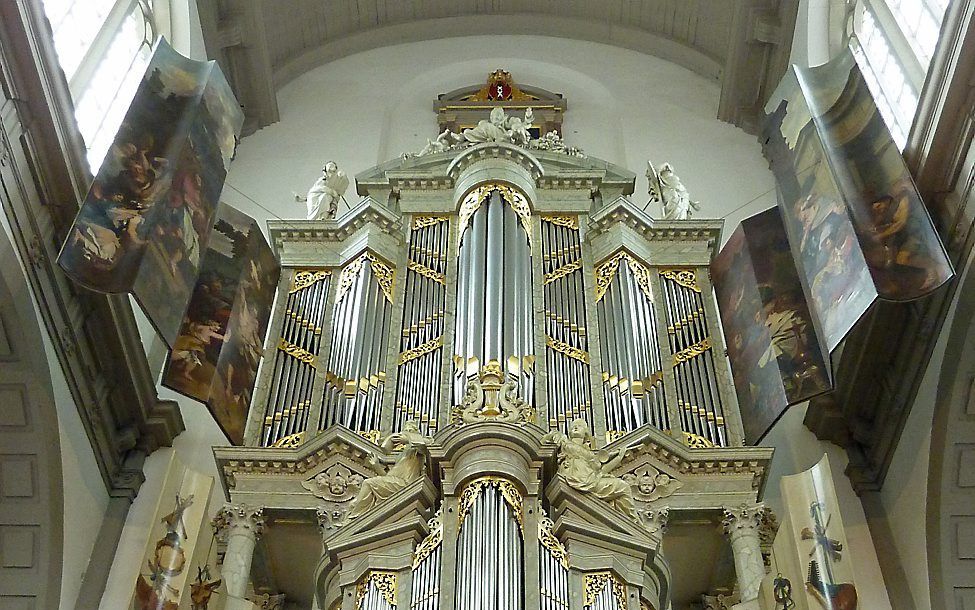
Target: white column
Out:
[239,526]
[743,525]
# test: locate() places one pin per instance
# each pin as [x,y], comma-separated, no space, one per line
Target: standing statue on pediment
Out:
[409,466]
[323,197]
[584,470]
[666,188]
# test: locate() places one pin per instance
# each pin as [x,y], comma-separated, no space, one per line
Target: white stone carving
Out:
[651,484]
[323,197]
[336,483]
[743,526]
[656,520]
[499,128]
[492,401]
[582,468]
[667,189]
[409,467]
[240,526]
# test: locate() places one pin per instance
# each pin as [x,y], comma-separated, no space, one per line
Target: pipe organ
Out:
[481,357]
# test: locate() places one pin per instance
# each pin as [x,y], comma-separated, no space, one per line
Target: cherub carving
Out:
[652,484]
[336,483]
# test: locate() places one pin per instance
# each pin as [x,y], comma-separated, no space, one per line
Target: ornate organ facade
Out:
[496,382]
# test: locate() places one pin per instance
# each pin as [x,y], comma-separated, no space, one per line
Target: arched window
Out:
[103,47]
[893,43]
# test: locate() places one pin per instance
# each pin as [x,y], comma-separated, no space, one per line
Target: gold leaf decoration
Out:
[296,352]
[420,350]
[693,351]
[568,350]
[508,491]
[304,279]
[685,277]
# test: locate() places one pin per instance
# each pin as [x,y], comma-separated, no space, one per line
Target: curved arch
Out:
[951,474]
[31,492]
[633,39]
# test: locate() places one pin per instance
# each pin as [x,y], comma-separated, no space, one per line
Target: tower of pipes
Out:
[493,302]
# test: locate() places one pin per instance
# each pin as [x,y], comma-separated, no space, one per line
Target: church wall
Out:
[85,497]
[623,107]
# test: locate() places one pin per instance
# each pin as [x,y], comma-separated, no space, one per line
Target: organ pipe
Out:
[293,371]
[356,369]
[494,325]
[567,343]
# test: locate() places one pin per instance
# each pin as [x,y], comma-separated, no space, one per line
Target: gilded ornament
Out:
[508,491]
[384,276]
[596,582]
[685,277]
[304,279]
[693,351]
[432,541]
[422,222]
[373,436]
[296,352]
[383,581]
[427,272]
[420,350]
[570,351]
[606,272]
[474,199]
[696,441]
[290,441]
[571,222]
[563,271]
[548,540]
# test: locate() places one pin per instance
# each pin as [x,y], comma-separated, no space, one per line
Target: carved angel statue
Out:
[444,142]
[323,196]
[519,129]
[494,129]
[585,470]
[666,188]
[409,467]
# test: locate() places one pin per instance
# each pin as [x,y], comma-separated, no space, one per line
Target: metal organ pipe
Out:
[494,310]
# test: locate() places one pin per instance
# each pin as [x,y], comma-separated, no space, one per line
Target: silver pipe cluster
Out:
[698,397]
[494,319]
[355,374]
[421,344]
[293,375]
[489,556]
[633,371]
[374,599]
[425,593]
[553,590]
[605,599]
[569,393]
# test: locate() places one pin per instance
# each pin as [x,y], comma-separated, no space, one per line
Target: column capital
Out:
[745,519]
[239,518]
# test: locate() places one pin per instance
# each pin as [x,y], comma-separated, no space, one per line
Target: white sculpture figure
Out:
[519,130]
[493,130]
[408,468]
[666,188]
[323,196]
[444,142]
[584,470]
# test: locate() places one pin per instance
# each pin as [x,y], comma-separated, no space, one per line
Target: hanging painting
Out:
[221,340]
[147,217]
[775,354]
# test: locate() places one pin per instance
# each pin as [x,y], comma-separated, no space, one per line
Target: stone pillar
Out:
[743,525]
[239,526]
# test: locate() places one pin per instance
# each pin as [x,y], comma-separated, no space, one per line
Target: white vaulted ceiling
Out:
[264,44]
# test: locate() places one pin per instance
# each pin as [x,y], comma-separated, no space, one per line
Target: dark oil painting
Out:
[776,358]
[216,355]
[145,222]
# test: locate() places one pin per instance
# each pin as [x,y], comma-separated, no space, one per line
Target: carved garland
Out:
[548,540]
[296,352]
[693,351]
[563,271]
[606,272]
[290,441]
[571,222]
[570,351]
[685,277]
[384,275]
[420,350]
[596,582]
[422,222]
[383,581]
[474,199]
[427,272]
[304,279]
[508,491]
[432,541]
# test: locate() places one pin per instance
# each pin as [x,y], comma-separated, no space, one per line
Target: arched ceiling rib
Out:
[264,44]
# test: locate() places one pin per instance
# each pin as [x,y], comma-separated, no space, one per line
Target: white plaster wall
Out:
[85,496]
[623,106]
